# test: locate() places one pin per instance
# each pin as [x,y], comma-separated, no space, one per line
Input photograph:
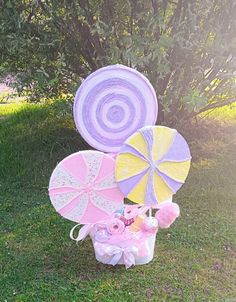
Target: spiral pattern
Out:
[112,104]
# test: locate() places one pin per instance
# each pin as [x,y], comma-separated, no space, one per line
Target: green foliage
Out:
[194,100]
[186,48]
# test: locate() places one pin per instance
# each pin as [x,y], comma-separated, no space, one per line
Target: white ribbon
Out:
[116,252]
[83,232]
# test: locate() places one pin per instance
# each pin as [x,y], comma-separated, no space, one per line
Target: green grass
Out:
[195,260]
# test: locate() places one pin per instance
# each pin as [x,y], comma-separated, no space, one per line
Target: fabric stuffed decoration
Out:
[167,215]
[115,111]
[111,104]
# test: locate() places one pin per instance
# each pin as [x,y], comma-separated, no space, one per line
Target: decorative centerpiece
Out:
[115,110]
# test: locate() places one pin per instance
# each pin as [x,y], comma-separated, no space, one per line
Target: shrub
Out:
[186,48]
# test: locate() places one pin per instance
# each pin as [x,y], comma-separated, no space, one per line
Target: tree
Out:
[187,48]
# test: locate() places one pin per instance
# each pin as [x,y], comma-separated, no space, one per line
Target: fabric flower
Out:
[115,226]
[102,235]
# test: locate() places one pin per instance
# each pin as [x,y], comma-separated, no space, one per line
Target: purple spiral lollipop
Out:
[111,104]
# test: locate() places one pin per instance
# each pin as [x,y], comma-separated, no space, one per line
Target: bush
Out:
[186,48]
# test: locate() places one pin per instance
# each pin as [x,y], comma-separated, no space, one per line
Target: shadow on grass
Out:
[33,140]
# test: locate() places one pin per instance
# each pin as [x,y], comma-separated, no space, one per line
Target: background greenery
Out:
[187,48]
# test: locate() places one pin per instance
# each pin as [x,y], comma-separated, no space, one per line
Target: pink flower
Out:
[115,226]
[102,235]
[167,215]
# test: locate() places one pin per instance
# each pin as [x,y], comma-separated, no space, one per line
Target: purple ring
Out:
[133,104]
[122,98]
[88,122]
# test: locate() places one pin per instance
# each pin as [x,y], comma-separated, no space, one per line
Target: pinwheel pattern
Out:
[152,165]
[83,189]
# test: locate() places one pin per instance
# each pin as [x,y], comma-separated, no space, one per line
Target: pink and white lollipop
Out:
[82,187]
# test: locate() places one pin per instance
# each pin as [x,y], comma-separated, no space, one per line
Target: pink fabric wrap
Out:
[131,211]
[113,254]
[116,252]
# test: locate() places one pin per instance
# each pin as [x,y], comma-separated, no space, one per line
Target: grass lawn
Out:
[195,260]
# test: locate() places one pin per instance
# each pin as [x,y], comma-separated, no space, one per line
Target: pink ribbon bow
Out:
[116,252]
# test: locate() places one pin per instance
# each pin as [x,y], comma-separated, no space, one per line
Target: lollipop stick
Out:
[150,212]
